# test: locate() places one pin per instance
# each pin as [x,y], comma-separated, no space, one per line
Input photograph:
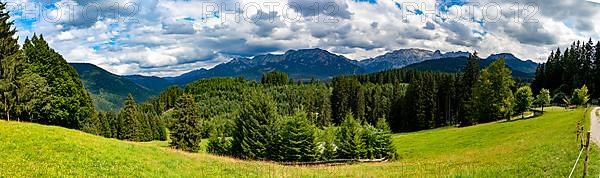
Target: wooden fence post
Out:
[587,151]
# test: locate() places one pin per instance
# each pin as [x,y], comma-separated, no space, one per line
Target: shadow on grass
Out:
[536,114]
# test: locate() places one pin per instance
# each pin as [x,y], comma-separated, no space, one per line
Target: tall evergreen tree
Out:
[10,63]
[186,133]
[349,140]
[131,128]
[467,83]
[254,124]
[298,142]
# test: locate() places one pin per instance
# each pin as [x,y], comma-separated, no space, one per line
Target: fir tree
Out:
[11,63]
[298,142]
[186,133]
[349,139]
[252,136]
[131,128]
[467,83]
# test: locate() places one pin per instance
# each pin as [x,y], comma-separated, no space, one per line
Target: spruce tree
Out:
[254,127]
[10,63]
[465,99]
[132,127]
[349,141]
[186,133]
[298,142]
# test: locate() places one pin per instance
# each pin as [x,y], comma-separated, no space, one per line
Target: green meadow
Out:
[544,146]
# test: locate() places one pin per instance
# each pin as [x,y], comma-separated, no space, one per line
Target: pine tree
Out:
[523,100]
[349,139]
[298,142]
[186,133]
[131,128]
[254,127]
[467,83]
[10,63]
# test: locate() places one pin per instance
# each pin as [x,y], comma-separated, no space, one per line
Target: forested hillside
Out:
[109,90]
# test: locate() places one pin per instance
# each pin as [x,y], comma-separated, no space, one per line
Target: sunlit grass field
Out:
[544,146]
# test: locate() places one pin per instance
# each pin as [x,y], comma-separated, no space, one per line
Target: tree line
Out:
[37,84]
[261,133]
[567,70]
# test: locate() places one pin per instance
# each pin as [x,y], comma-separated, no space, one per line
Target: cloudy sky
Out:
[170,37]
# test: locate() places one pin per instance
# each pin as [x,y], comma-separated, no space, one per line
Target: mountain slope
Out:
[540,147]
[109,90]
[298,64]
[520,69]
[156,84]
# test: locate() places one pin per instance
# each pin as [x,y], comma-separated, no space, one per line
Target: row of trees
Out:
[37,84]
[431,99]
[134,123]
[570,69]
[261,134]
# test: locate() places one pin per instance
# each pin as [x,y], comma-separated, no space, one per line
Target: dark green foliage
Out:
[349,140]
[298,139]
[68,104]
[254,127]
[347,97]
[570,69]
[166,99]
[465,92]
[186,132]
[313,98]
[132,128]
[274,78]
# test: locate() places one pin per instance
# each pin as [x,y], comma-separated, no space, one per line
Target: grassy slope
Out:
[540,147]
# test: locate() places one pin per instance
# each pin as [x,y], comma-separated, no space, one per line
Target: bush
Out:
[219,144]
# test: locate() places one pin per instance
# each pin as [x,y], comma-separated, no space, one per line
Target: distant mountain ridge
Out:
[404,57]
[109,90]
[298,64]
[520,69]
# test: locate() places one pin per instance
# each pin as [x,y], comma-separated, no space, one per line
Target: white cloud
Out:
[170,37]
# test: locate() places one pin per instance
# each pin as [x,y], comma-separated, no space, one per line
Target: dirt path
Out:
[595,126]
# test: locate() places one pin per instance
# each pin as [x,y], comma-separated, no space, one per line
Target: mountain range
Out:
[109,90]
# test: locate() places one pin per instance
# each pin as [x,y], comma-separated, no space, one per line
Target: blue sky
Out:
[171,37]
